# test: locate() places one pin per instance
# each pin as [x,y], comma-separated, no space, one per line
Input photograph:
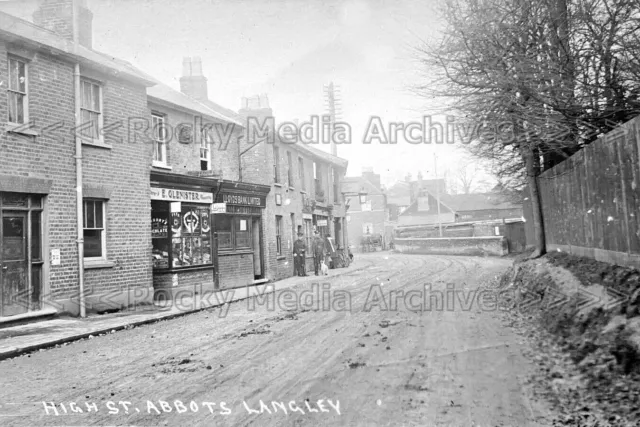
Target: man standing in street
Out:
[299,254]
[318,251]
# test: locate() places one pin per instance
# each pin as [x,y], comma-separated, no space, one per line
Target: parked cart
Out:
[371,243]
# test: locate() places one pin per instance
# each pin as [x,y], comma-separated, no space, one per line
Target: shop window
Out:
[160,237]
[191,238]
[224,232]
[181,238]
[234,233]
[242,233]
[279,234]
[17,87]
[94,229]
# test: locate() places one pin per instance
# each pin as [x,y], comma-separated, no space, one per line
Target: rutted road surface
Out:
[447,364]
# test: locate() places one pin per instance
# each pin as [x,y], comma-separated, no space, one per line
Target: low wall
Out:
[489,245]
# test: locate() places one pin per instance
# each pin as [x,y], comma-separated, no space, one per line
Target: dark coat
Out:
[318,246]
[299,247]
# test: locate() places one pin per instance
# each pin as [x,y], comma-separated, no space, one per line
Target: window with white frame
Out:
[94,229]
[159,139]
[205,149]
[91,111]
[18,103]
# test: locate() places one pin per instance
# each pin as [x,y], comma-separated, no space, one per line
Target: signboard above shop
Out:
[173,195]
[218,208]
[242,199]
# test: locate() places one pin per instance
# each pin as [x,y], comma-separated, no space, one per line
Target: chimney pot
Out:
[196,66]
[186,67]
[193,83]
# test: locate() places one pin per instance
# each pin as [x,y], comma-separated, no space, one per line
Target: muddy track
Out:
[395,367]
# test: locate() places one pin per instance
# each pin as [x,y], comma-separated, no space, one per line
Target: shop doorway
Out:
[338,232]
[257,248]
[20,253]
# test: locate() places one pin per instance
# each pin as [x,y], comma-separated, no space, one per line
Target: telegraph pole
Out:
[333,105]
[435,169]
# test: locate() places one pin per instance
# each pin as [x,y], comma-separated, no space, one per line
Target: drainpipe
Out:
[78,157]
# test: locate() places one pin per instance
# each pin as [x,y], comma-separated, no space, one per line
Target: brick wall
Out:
[185,157]
[50,155]
[124,169]
[496,246]
[236,270]
[188,283]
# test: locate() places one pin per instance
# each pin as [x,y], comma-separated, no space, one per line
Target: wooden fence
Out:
[591,201]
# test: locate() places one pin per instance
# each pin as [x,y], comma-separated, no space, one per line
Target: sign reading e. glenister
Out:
[173,195]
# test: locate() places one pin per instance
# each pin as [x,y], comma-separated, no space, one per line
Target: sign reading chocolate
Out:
[180,195]
[242,199]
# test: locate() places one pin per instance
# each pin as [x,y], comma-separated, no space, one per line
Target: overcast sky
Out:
[289,49]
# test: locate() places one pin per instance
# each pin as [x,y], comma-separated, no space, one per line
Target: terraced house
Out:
[195,164]
[74,193]
[305,187]
[117,190]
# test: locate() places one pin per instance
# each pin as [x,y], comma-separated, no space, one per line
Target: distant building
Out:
[403,193]
[459,208]
[367,212]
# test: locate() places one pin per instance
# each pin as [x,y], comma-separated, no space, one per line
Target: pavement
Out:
[24,338]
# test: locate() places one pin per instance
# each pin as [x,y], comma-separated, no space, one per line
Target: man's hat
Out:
[316,232]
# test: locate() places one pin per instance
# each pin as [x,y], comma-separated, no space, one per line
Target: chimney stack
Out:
[193,83]
[65,17]
[258,110]
[372,177]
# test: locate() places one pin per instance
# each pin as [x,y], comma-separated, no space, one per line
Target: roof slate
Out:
[162,92]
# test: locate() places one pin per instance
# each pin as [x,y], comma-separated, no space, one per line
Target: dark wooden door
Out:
[257,248]
[14,265]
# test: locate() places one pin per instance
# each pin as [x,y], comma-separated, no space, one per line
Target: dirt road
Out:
[358,360]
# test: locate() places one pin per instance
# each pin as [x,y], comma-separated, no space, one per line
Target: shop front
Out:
[322,221]
[240,233]
[182,235]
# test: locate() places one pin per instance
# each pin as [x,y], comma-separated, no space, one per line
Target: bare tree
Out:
[535,81]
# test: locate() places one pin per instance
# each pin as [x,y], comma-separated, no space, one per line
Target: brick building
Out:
[459,208]
[367,213]
[153,165]
[305,187]
[196,157]
[41,210]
